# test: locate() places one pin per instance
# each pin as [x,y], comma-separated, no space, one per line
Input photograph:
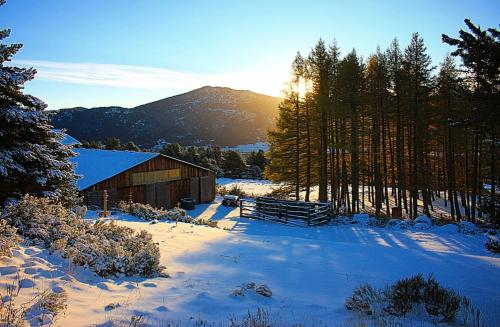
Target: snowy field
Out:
[310,271]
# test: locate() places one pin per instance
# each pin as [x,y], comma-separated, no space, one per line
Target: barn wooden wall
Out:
[195,182]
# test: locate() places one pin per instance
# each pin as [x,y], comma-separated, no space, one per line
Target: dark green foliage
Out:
[257,159]
[93,144]
[32,159]
[405,293]
[440,301]
[234,190]
[208,157]
[363,299]
[232,162]
[113,143]
[404,296]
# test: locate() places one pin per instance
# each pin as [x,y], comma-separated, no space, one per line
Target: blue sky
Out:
[93,53]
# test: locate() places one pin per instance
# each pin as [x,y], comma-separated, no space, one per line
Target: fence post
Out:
[241,208]
[309,217]
[105,203]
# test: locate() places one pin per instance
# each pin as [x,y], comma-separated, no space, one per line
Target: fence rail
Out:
[295,213]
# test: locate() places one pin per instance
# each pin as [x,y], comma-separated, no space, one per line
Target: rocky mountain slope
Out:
[208,115]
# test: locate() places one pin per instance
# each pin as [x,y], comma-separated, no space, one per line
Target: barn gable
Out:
[143,177]
[96,165]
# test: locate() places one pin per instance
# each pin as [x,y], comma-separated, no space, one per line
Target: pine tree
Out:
[480,53]
[320,66]
[418,68]
[32,158]
[351,80]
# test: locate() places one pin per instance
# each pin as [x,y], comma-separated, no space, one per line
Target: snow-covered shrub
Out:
[406,224]
[493,244]
[52,304]
[8,238]
[411,295]
[394,223]
[233,190]
[149,213]
[107,248]
[439,301]
[41,221]
[467,227]
[404,294]
[363,299]
[423,222]
[144,211]
[361,218]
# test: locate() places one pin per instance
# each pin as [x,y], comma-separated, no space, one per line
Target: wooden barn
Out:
[144,177]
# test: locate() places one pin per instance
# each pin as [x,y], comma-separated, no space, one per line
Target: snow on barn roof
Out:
[67,139]
[97,165]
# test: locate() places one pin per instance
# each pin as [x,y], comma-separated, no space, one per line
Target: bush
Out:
[363,299]
[149,213]
[107,248]
[40,308]
[233,190]
[282,193]
[8,238]
[405,296]
[493,244]
[440,301]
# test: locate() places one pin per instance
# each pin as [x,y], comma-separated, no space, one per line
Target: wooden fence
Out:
[295,213]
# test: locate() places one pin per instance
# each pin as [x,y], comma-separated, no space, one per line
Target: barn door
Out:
[207,186]
[194,187]
[163,195]
[151,194]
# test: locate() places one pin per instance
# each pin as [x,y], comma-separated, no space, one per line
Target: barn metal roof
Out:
[96,165]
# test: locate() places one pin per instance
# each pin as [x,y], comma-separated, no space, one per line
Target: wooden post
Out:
[241,208]
[130,201]
[105,203]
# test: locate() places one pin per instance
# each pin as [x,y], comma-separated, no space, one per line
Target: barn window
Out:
[152,177]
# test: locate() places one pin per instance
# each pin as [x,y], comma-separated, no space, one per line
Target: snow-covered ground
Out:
[310,271]
[261,187]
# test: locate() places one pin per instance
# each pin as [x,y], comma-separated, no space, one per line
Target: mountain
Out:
[208,115]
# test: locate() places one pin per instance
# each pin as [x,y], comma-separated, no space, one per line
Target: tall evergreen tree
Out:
[480,53]
[32,158]
[320,66]
[418,70]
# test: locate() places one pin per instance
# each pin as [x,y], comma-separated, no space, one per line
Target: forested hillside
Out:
[209,115]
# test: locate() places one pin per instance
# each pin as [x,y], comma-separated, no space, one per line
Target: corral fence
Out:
[295,213]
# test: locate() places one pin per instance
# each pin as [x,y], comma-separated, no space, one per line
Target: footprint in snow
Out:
[68,278]
[162,308]
[149,284]
[131,286]
[57,289]
[31,251]
[103,286]
[8,270]
[28,263]
[26,283]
